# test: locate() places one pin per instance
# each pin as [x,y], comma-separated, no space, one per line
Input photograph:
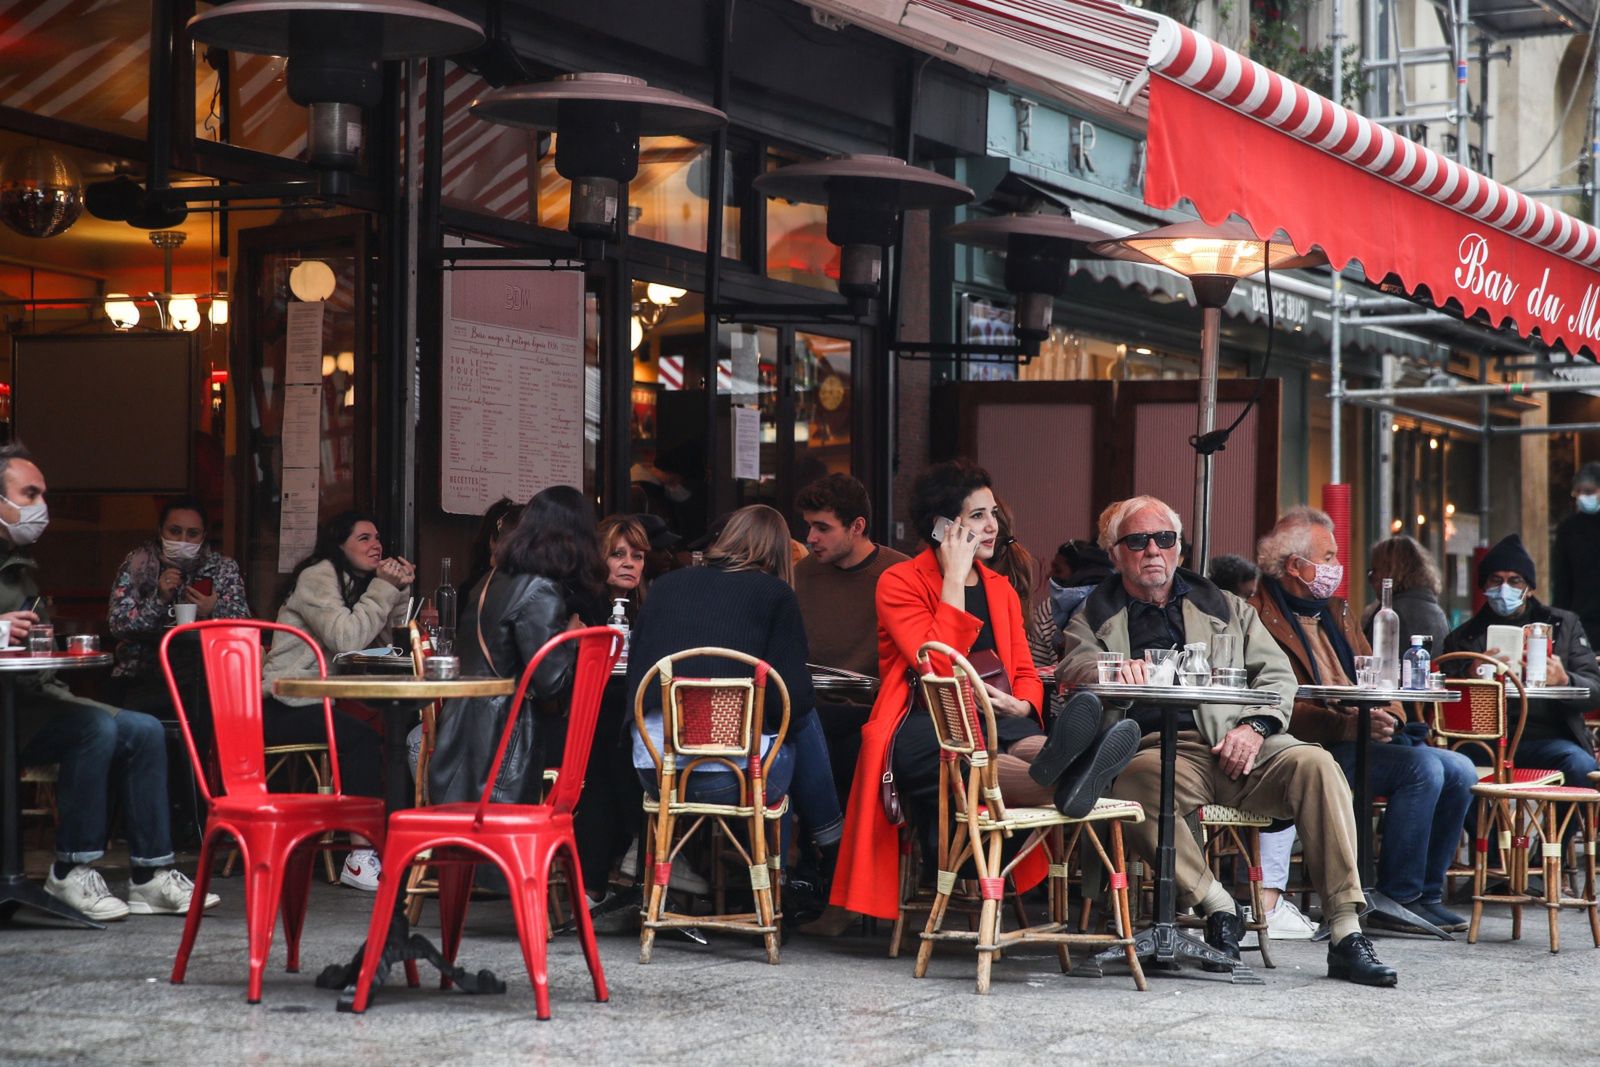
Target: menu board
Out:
[513,386]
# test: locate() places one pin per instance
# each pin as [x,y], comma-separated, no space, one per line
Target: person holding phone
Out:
[346,595]
[949,593]
[174,567]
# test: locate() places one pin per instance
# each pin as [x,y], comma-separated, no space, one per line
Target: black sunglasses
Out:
[1138,542]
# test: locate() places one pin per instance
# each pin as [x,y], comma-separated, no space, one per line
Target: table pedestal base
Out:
[17,892]
[1380,904]
[1166,948]
[402,947]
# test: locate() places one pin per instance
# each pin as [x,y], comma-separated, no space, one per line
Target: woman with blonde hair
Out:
[1416,589]
[624,547]
[742,599]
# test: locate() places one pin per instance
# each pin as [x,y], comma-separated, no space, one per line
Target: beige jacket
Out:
[1102,625]
[317,606]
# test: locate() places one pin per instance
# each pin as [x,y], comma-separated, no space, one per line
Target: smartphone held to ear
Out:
[941,526]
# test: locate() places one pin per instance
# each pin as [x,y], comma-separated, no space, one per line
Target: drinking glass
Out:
[1109,664]
[1226,651]
[1436,680]
[1161,665]
[42,639]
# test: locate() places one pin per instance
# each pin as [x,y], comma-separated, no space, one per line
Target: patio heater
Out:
[336,51]
[598,120]
[865,196]
[1213,258]
[1039,250]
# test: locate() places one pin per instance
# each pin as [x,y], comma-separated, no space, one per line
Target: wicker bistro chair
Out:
[713,721]
[974,822]
[1230,832]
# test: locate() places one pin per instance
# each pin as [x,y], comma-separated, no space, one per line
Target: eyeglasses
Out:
[1495,583]
[1138,542]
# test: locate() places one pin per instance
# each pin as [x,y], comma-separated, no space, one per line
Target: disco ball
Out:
[41,191]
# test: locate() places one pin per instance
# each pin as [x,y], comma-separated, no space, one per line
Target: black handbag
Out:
[888,792]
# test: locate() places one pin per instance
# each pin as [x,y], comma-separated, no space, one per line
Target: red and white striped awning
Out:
[1235,138]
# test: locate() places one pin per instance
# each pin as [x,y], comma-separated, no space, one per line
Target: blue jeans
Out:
[1559,754]
[1429,791]
[94,749]
[713,783]
[812,792]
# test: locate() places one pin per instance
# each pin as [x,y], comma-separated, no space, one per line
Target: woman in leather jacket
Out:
[547,578]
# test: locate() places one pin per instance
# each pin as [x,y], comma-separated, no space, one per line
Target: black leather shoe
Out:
[1071,735]
[1087,780]
[1354,960]
[1223,930]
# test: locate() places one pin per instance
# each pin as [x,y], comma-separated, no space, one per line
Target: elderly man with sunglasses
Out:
[1238,756]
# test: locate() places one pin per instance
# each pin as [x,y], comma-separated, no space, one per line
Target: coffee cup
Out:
[182,613]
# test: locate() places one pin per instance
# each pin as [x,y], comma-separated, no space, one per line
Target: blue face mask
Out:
[1588,503]
[1505,600]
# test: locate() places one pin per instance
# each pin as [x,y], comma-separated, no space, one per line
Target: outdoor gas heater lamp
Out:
[598,120]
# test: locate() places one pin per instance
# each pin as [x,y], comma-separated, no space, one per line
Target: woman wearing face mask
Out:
[1555,736]
[347,595]
[1577,580]
[1428,789]
[175,567]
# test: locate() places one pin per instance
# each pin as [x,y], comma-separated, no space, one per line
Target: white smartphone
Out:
[941,526]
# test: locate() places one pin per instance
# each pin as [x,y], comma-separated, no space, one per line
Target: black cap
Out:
[1588,475]
[655,528]
[1508,555]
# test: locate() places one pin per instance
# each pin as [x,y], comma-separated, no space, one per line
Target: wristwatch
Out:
[1259,727]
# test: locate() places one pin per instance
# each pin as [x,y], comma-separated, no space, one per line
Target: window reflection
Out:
[798,249]
[82,63]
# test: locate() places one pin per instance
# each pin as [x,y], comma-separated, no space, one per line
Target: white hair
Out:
[1114,517]
[1289,536]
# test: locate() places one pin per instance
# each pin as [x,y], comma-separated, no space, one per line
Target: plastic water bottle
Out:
[1414,668]
[1386,639]
[444,602]
[619,621]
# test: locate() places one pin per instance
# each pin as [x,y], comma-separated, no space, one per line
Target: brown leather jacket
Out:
[1315,720]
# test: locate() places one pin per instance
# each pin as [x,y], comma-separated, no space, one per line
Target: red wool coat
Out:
[910,612]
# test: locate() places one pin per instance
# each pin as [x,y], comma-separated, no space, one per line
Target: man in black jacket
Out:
[1555,736]
[1577,579]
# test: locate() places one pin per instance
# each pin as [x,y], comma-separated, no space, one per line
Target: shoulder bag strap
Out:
[478,624]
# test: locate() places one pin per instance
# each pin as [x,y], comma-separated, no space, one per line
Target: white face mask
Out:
[30,524]
[180,550]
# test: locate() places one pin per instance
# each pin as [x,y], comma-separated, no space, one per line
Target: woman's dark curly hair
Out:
[555,538]
[330,546]
[940,491]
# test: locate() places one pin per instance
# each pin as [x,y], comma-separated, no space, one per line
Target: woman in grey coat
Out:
[547,578]
[1416,590]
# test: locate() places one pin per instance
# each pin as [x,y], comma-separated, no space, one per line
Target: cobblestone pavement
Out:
[88,997]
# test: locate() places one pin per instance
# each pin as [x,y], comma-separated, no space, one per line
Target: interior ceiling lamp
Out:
[41,191]
[598,120]
[312,279]
[178,311]
[1039,250]
[1213,258]
[865,196]
[335,50]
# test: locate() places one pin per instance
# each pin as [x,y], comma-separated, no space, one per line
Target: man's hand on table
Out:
[1236,753]
[1132,672]
[21,622]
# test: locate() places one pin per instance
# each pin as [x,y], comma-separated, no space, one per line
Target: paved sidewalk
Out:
[69,996]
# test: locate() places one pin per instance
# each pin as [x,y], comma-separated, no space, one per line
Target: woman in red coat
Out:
[947,594]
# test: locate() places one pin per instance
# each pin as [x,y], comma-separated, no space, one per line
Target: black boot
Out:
[1223,930]
[1071,735]
[1354,960]
[1087,780]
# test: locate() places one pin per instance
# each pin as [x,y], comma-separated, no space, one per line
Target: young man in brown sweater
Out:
[837,586]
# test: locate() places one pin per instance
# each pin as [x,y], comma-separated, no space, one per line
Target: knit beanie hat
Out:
[1508,555]
[1588,475]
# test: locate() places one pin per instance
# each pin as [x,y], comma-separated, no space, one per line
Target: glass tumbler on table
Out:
[1109,665]
[1226,651]
[42,639]
[1367,672]
[1161,665]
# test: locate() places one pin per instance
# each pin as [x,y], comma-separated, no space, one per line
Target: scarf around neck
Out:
[1293,608]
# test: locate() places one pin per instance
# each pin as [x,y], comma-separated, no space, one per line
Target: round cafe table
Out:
[399,699]
[1163,942]
[15,889]
[1557,692]
[1364,700]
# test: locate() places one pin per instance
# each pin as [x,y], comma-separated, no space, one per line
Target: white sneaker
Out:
[84,889]
[361,870]
[629,867]
[686,878]
[168,893]
[1287,923]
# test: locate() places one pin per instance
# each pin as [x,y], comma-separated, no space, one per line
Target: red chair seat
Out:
[1524,776]
[284,806]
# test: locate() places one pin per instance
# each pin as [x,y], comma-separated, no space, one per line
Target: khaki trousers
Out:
[1302,783]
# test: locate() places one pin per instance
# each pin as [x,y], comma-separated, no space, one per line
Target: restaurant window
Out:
[667,424]
[487,168]
[668,200]
[748,359]
[79,63]
[798,249]
[823,406]
[242,100]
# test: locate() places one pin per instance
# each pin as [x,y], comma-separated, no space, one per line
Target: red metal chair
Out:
[278,834]
[521,839]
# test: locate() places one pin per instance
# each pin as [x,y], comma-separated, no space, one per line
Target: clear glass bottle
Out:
[1194,668]
[444,602]
[1386,639]
[1414,665]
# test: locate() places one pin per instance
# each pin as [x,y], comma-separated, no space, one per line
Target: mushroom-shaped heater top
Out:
[335,50]
[598,120]
[865,195]
[1211,257]
[1039,251]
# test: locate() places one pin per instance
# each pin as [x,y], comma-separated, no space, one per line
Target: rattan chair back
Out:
[1478,717]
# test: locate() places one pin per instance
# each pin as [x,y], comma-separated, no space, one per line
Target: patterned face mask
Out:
[1327,579]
